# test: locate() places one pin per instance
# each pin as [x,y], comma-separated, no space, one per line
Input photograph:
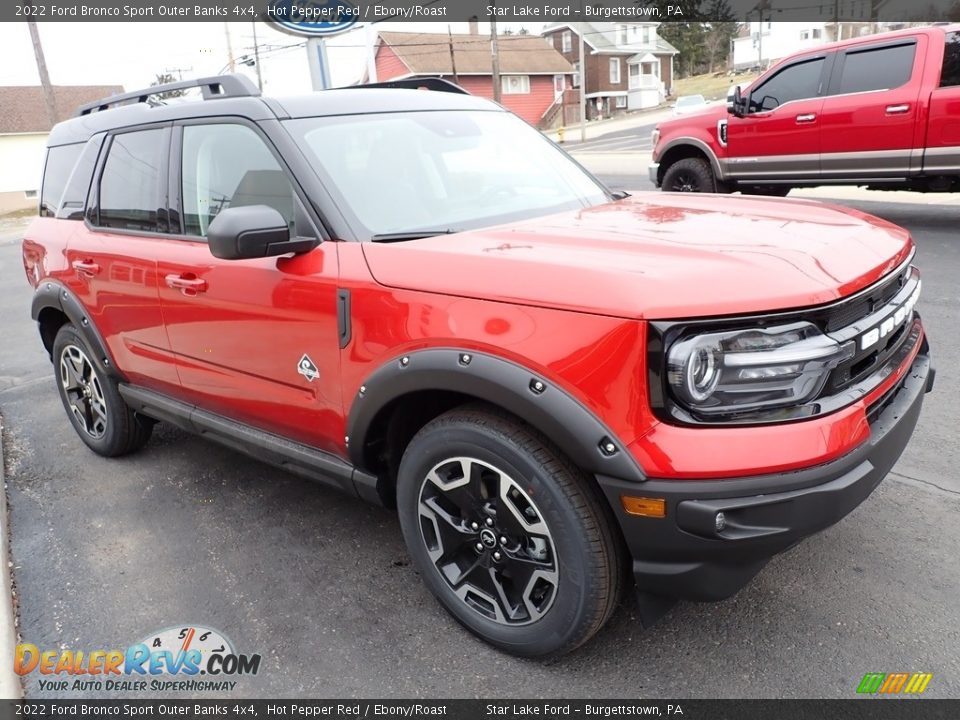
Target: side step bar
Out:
[286,454]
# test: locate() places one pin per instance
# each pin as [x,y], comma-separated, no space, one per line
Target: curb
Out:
[10,687]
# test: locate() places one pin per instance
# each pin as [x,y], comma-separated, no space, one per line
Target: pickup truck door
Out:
[872,120]
[255,340]
[942,154]
[779,138]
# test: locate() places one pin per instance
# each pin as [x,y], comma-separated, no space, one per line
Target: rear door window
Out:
[130,186]
[797,82]
[60,162]
[951,61]
[879,68]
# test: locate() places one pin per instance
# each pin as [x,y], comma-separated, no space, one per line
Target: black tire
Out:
[766,190]
[543,513]
[92,401]
[689,175]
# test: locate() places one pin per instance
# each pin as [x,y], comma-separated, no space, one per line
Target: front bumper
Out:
[684,556]
[653,170]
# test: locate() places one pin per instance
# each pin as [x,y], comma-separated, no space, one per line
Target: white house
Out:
[24,126]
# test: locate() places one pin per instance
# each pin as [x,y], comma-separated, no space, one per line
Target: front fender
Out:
[547,407]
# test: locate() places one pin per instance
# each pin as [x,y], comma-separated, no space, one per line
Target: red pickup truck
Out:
[881,111]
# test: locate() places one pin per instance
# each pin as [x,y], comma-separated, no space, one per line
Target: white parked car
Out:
[689,104]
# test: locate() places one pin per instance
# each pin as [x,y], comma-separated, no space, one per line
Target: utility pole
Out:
[836,21]
[231,62]
[495,52]
[583,87]
[453,59]
[48,95]
[256,55]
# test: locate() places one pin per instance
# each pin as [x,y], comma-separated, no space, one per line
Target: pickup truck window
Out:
[951,61]
[882,68]
[797,82]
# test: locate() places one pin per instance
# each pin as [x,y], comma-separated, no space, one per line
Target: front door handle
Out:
[808,118]
[187,283]
[898,109]
[86,268]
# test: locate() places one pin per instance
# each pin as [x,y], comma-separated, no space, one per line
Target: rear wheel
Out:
[92,401]
[507,533]
[689,175]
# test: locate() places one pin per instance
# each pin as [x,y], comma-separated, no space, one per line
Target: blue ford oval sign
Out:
[312,18]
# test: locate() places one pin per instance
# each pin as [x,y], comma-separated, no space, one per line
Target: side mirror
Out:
[736,104]
[253,231]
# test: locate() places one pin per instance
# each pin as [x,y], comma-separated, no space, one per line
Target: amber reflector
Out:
[644,506]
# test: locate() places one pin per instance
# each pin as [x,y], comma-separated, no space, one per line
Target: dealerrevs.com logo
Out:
[187,658]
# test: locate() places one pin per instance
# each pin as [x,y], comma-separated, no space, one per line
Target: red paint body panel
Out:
[657,257]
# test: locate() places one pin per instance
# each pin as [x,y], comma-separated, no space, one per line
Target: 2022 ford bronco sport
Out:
[415,297]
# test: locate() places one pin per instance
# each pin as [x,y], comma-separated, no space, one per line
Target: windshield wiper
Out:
[410,235]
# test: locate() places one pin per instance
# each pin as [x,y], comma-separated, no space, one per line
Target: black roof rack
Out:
[220,86]
[423,83]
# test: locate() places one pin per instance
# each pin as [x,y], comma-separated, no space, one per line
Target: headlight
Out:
[743,371]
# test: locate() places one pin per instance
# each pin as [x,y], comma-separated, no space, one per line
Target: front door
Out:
[780,136]
[255,340]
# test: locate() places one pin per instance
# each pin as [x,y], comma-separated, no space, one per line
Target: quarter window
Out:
[56,172]
[951,61]
[130,184]
[797,82]
[226,166]
[877,69]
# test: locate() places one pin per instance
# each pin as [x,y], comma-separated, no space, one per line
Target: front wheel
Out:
[507,533]
[689,175]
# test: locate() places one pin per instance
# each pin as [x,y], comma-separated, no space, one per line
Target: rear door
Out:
[942,154]
[255,340]
[780,137]
[112,253]
[872,117]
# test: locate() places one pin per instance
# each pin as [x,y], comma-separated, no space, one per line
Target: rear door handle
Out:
[898,109]
[187,283]
[86,268]
[808,118]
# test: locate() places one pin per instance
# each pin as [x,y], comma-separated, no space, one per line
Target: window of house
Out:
[30,194]
[805,35]
[56,172]
[576,74]
[566,41]
[876,69]
[515,84]
[796,82]
[951,61]
[228,166]
[816,33]
[621,101]
[622,34]
[130,195]
[614,71]
[633,75]
[647,35]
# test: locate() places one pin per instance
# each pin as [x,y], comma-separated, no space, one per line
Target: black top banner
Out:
[322,17]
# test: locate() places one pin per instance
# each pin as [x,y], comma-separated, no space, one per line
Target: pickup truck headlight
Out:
[741,371]
[654,138]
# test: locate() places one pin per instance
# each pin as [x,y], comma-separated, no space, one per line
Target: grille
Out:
[864,305]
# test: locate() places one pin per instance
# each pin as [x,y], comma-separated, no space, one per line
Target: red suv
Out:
[416,298]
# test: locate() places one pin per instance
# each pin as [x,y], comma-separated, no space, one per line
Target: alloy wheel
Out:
[83,391]
[488,540]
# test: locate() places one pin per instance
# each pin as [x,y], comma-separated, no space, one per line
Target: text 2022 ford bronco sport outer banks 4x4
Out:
[415,297]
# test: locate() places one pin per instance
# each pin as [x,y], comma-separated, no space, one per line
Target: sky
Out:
[132,54]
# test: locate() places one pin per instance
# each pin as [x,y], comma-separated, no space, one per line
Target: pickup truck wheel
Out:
[689,175]
[92,401]
[507,533]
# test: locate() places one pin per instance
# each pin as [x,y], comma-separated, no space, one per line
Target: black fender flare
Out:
[549,408]
[54,294]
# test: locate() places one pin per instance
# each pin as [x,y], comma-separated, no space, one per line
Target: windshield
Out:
[690,100]
[441,171]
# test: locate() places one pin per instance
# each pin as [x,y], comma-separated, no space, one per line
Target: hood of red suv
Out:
[657,256]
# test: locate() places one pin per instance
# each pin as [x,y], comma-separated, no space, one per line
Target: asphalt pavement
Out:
[106,551]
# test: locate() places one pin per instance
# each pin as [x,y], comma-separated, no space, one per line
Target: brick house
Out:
[24,126]
[628,65]
[536,80]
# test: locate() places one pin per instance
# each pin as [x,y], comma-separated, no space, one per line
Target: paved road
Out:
[636,139]
[106,551]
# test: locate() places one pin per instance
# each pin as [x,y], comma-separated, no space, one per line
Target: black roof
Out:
[346,101]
